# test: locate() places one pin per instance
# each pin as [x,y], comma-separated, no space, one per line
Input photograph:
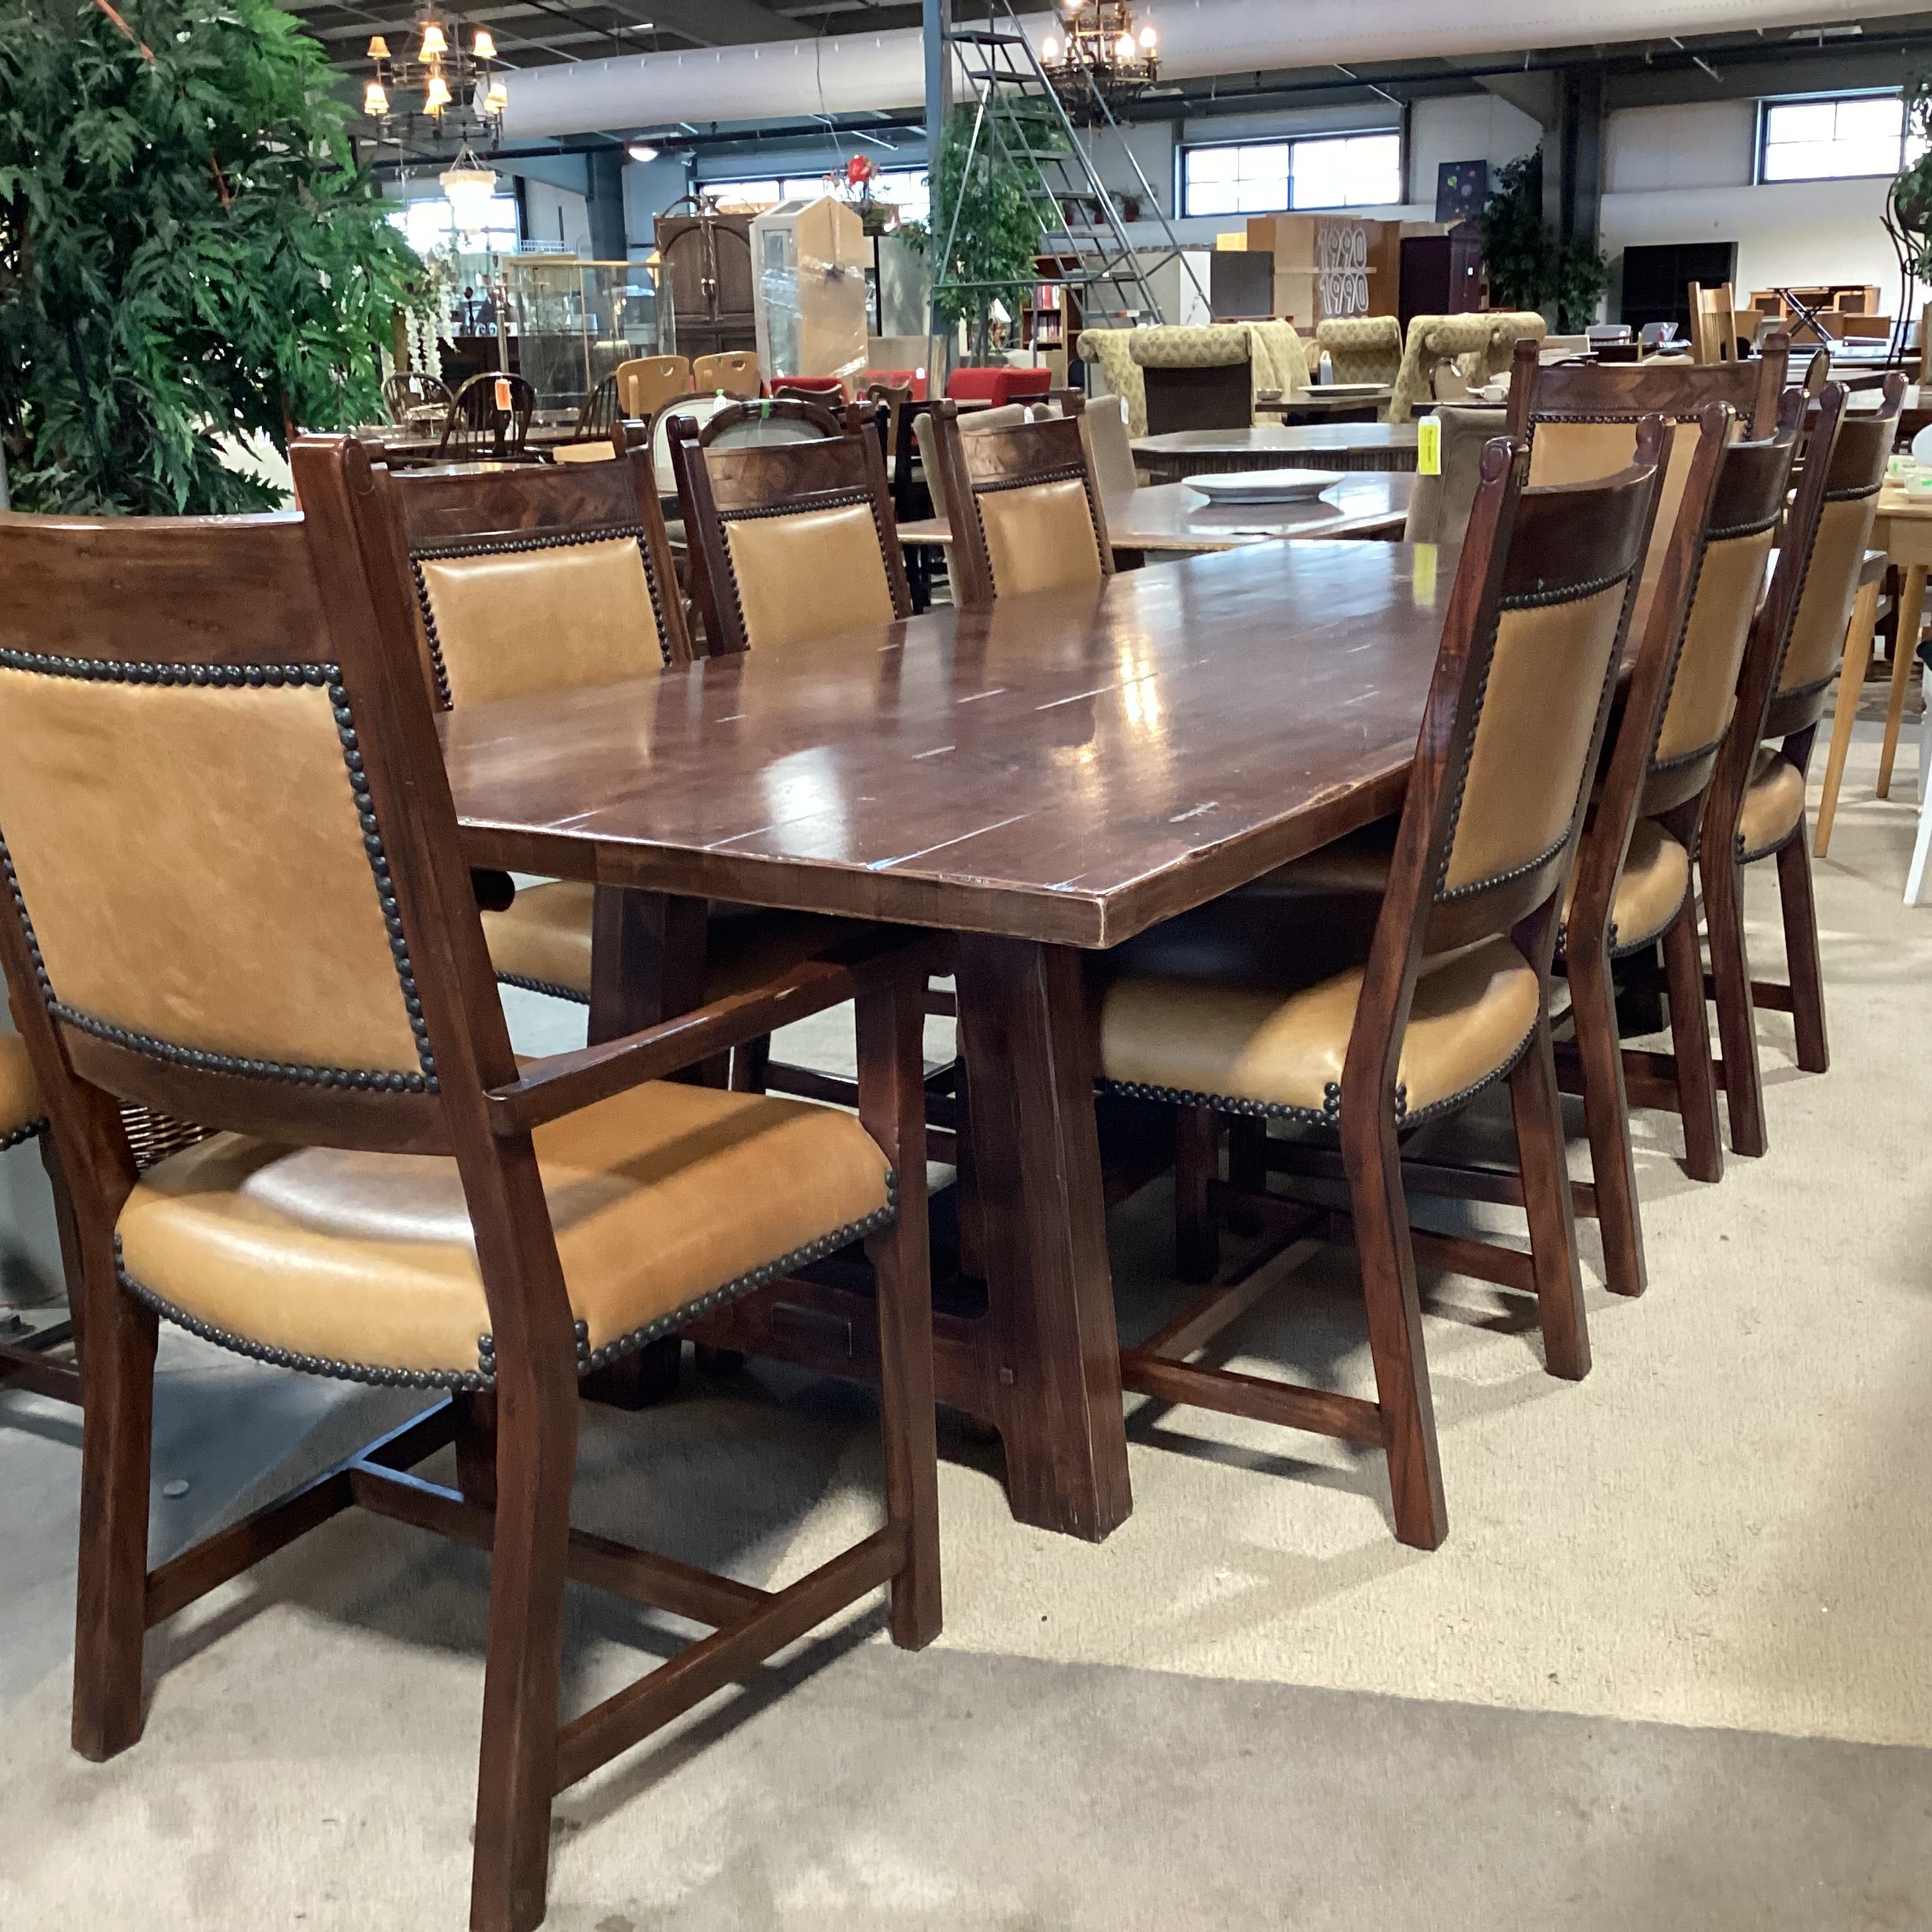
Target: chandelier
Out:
[455,90]
[1101,62]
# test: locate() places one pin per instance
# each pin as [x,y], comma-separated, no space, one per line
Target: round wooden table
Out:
[1270,446]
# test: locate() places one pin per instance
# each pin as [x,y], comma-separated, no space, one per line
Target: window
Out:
[1266,177]
[1822,140]
[428,225]
[904,188]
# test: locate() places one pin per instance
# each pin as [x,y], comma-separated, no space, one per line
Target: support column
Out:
[939,111]
[604,204]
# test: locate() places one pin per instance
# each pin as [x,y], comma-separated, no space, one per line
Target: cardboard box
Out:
[1331,265]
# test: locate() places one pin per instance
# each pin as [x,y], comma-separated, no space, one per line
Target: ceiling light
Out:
[379,48]
[470,189]
[483,46]
[642,151]
[434,43]
[376,98]
[1148,38]
[436,95]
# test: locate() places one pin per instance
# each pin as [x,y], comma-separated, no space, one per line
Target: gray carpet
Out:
[1672,1669]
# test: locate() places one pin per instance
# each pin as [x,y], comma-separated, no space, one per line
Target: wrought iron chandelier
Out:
[443,89]
[1099,60]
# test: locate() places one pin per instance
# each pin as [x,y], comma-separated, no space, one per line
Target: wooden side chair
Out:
[599,414]
[1758,796]
[392,1197]
[645,383]
[1023,503]
[29,1361]
[551,578]
[1714,323]
[1232,1011]
[489,420]
[796,540]
[409,395]
[732,372]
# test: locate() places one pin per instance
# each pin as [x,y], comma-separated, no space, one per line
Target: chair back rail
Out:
[540,577]
[1511,731]
[599,414]
[409,392]
[795,539]
[1024,503]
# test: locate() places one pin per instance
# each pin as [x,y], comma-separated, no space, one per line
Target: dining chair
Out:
[1003,383]
[1234,1011]
[409,395]
[1109,447]
[554,579]
[26,1360]
[731,373]
[599,414]
[392,1198]
[829,392]
[1714,323]
[1439,505]
[1922,845]
[645,383]
[1757,810]
[797,540]
[489,418]
[1023,501]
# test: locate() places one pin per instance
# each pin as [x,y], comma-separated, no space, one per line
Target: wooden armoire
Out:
[704,281]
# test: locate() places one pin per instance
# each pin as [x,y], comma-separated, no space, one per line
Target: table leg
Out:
[1037,1169]
[1904,655]
[1851,682]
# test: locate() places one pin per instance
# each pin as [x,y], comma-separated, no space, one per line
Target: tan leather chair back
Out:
[1831,577]
[1109,447]
[645,383]
[543,578]
[1023,503]
[1567,586]
[735,372]
[798,539]
[1439,509]
[205,839]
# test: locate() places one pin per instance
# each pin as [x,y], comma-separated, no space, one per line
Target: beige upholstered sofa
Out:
[1480,346]
[1360,348]
[1105,349]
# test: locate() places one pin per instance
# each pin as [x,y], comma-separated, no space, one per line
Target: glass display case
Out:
[575,321]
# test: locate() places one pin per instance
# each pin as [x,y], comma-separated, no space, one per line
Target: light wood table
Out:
[1170,517]
[1903,530]
[1271,446]
[1057,773]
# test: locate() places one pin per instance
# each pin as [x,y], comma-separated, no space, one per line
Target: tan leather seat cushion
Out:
[659,1197]
[545,935]
[1040,537]
[1473,1011]
[21,1104]
[811,575]
[1656,876]
[1773,803]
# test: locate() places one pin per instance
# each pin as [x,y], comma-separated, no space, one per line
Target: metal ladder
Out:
[1019,114]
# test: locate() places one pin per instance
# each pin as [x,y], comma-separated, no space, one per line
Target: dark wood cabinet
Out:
[1442,274]
[704,285]
[1657,278]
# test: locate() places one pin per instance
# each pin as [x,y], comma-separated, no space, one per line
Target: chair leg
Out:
[1197,1162]
[476,1447]
[1803,967]
[892,1105]
[1247,1165]
[1381,1217]
[1904,655]
[1537,1110]
[110,1618]
[1851,682]
[1697,1085]
[1606,1112]
[1737,1022]
[1922,848]
[536,1454]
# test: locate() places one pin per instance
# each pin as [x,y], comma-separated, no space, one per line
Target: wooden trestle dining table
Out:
[1041,779]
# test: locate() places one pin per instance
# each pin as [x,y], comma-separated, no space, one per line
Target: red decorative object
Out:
[999,385]
[859,170]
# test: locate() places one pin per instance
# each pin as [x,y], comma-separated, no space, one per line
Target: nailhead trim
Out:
[484,1376]
[559,540]
[32,1131]
[1330,1114]
[549,986]
[326,676]
[1568,593]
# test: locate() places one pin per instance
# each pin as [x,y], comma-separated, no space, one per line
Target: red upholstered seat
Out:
[997,386]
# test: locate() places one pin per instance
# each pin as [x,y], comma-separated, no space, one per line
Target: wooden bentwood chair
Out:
[489,418]
[792,539]
[287,951]
[1023,501]
[1226,1012]
[556,578]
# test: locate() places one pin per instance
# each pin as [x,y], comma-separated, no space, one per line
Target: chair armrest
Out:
[562,1083]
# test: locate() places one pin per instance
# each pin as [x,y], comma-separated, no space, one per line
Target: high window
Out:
[1822,140]
[1315,171]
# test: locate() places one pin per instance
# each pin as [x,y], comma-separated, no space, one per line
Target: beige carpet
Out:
[1727,1528]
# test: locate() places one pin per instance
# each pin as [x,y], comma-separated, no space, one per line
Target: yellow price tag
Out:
[1428,447]
[1422,578]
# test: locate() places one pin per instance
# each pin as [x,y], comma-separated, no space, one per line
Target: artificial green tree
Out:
[1529,264]
[188,250]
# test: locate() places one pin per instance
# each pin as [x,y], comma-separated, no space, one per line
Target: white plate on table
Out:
[1260,486]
